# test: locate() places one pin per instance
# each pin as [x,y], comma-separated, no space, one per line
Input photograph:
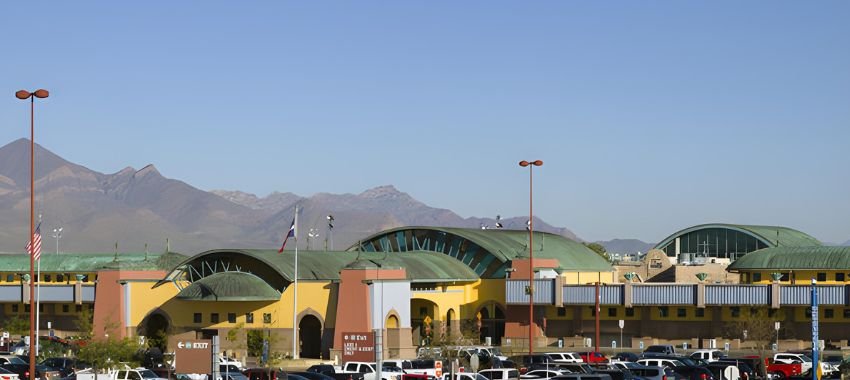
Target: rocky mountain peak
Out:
[386,191]
[149,169]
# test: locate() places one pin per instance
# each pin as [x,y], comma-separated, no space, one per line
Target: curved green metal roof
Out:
[772,236]
[325,265]
[791,258]
[500,244]
[89,262]
[229,286]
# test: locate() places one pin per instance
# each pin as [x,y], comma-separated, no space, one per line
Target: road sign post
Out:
[622,324]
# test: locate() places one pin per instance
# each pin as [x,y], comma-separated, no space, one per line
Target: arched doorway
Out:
[155,329]
[424,315]
[310,335]
[492,324]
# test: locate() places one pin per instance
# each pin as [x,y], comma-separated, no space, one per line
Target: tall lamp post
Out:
[57,234]
[530,166]
[23,95]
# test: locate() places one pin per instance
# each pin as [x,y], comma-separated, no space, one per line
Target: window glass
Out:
[197,318]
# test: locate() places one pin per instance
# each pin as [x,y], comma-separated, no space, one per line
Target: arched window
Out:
[392,322]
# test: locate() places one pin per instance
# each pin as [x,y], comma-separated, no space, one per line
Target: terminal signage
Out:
[192,355]
[358,347]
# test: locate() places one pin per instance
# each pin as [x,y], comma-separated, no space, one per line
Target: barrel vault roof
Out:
[501,244]
[772,236]
[326,265]
[794,258]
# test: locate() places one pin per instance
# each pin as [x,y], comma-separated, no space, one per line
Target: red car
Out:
[593,357]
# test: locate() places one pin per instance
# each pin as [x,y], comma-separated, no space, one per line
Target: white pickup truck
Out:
[428,367]
[804,360]
[122,374]
[368,371]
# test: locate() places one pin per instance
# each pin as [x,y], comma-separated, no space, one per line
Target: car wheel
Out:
[779,375]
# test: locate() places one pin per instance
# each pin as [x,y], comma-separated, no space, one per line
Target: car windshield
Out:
[496,351]
[806,359]
[16,360]
[147,374]
[688,362]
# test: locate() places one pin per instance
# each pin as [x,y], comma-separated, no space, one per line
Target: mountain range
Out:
[135,210]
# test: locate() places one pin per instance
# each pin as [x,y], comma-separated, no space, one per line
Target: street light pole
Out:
[530,166]
[23,95]
[57,234]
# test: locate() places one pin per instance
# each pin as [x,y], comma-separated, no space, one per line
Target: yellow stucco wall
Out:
[312,295]
[800,277]
[145,299]
[581,278]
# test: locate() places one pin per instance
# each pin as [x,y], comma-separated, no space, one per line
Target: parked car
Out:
[661,362]
[576,367]
[543,374]
[527,363]
[463,376]
[259,373]
[565,357]
[693,373]
[652,373]
[5,374]
[626,356]
[723,370]
[593,357]
[660,349]
[708,355]
[22,368]
[583,376]
[313,375]
[500,373]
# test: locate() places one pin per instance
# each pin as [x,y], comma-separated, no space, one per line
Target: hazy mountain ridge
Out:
[138,207]
[626,246]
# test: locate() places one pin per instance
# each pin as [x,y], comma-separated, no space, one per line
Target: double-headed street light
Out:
[23,95]
[530,166]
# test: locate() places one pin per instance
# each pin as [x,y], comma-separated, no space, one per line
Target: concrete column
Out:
[25,289]
[774,295]
[701,295]
[559,291]
[627,294]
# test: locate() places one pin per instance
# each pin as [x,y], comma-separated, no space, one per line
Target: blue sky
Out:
[650,116]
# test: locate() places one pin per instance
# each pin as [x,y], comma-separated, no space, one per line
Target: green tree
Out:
[599,249]
[756,327]
[108,351]
[16,325]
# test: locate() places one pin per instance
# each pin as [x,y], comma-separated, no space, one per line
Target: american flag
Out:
[36,237]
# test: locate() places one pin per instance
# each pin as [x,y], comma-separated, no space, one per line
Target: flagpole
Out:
[37,307]
[295,294]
